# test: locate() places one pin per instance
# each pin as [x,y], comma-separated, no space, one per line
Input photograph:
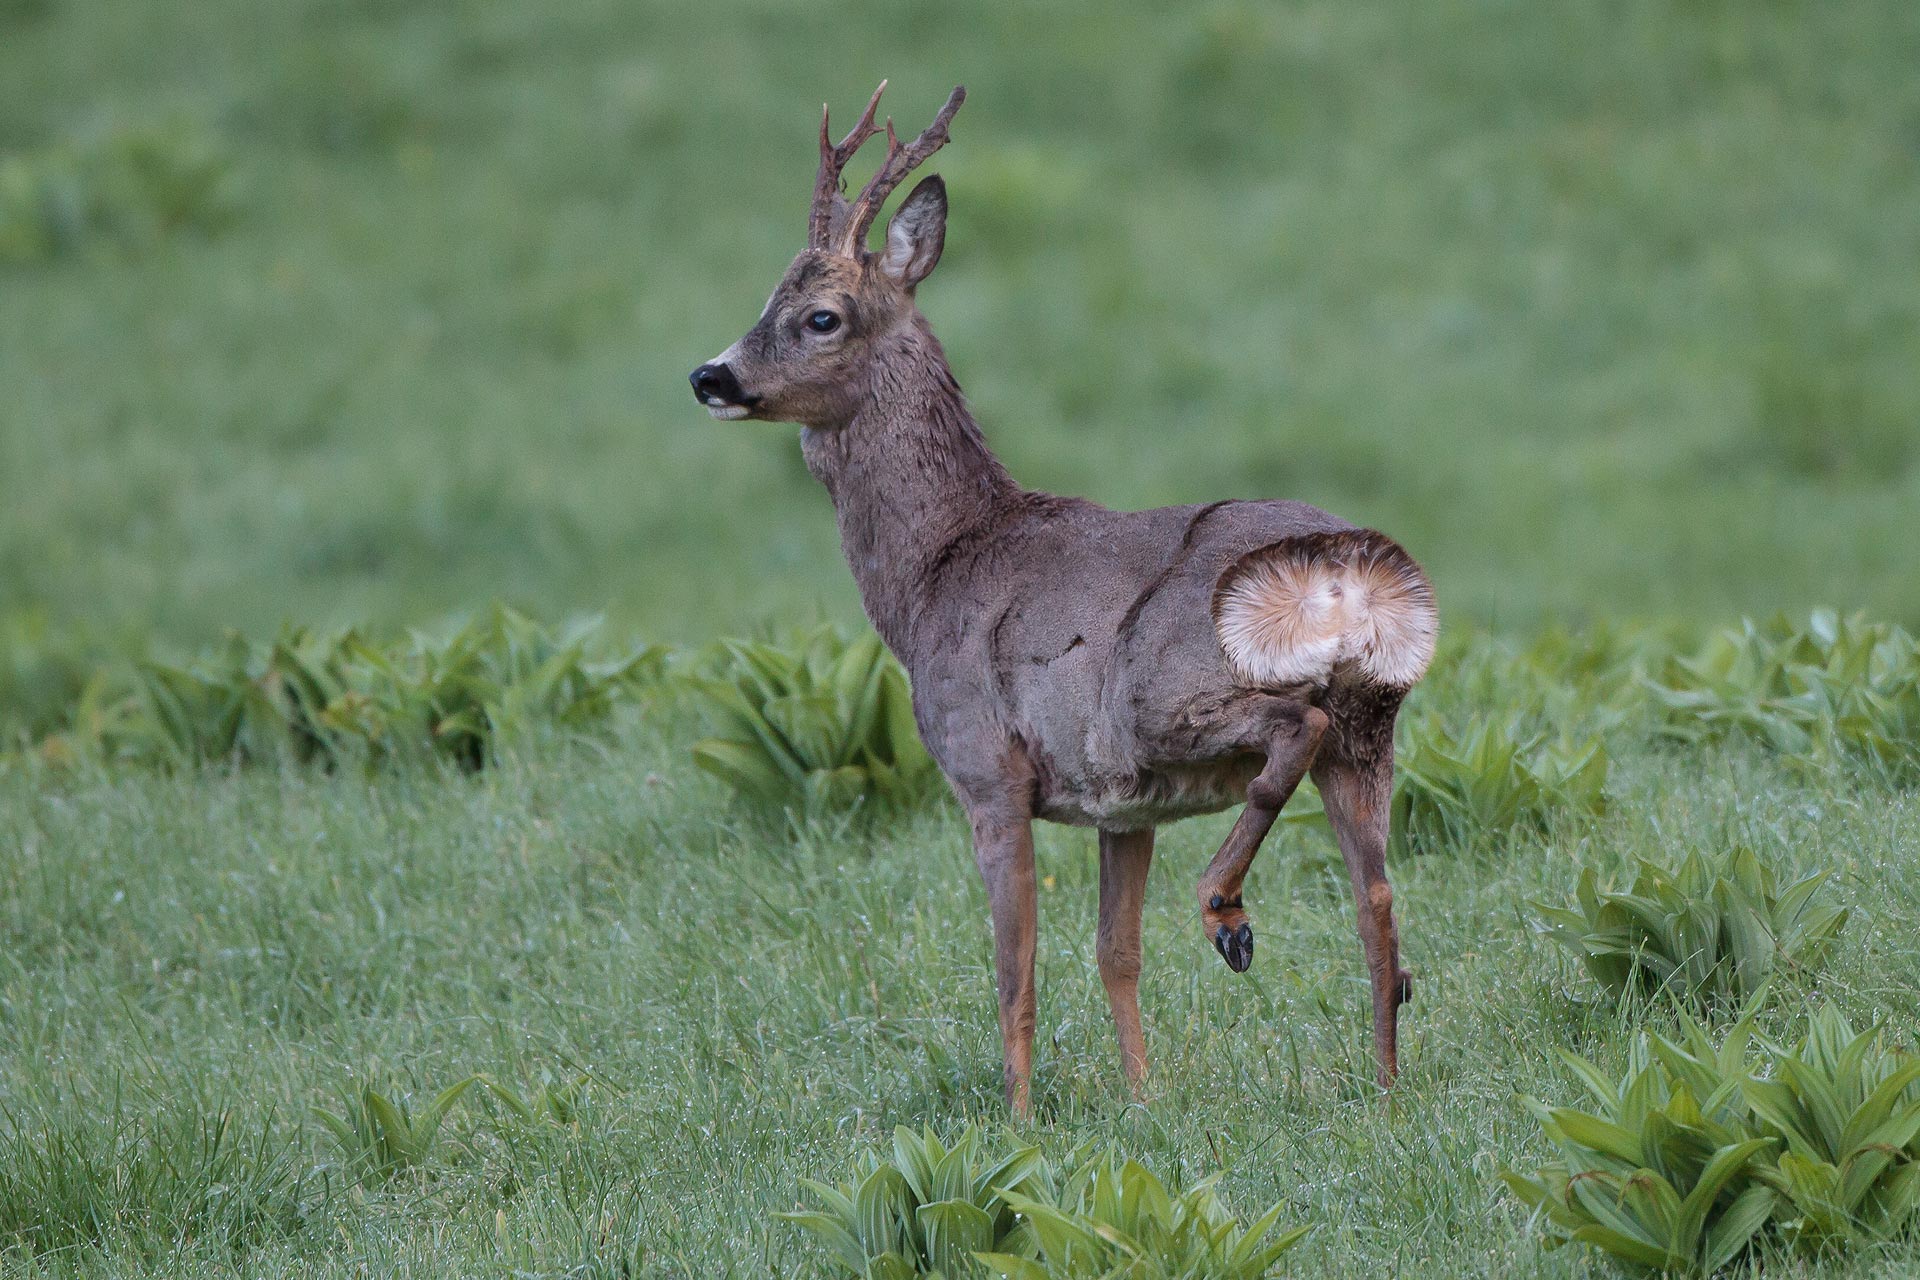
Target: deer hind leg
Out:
[1125,857]
[1290,752]
[1350,612]
[1355,778]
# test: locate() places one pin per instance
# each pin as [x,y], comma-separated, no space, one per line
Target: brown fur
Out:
[1069,662]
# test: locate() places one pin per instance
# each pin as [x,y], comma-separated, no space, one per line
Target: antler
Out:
[828,203]
[833,223]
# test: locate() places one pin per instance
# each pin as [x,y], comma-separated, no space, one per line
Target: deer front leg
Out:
[1290,752]
[1125,857]
[1003,847]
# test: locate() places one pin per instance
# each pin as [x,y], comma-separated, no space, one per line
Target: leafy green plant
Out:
[43,669]
[1451,790]
[1698,1151]
[956,1212]
[825,723]
[557,1102]
[925,1212]
[1577,681]
[341,698]
[1831,690]
[1113,1219]
[1713,931]
[1454,791]
[379,1137]
[129,187]
[1658,1174]
[1844,1106]
[499,679]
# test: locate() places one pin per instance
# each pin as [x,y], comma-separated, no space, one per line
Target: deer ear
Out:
[917,233]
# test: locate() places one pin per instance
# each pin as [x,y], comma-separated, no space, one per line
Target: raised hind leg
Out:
[1355,779]
[1125,857]
[1294,738]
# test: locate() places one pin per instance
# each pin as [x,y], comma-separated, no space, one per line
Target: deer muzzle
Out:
[716,387]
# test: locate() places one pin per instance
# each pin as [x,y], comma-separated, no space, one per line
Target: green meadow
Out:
[335,313]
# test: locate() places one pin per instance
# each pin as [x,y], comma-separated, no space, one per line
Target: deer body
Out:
[1117,670]
[1079,636]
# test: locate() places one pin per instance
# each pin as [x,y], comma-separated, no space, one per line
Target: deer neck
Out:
[910,475]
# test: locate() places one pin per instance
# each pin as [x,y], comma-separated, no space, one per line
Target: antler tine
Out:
[900,162]
[833,159]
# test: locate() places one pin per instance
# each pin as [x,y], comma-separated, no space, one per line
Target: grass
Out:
[1601,309]
[1605,310]
[748,1010]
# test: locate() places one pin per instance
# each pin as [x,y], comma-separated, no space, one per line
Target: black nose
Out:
[715,383]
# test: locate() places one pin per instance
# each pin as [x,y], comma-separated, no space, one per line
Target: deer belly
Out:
[1147,797]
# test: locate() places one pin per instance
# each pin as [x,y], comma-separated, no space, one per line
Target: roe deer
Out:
[1103,668]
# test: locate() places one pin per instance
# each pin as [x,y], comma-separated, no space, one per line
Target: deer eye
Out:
[823,322]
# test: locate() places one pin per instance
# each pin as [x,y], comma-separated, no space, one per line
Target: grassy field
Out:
[1604,310]
[749,1009]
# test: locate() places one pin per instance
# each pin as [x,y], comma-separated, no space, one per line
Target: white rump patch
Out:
[1288,615]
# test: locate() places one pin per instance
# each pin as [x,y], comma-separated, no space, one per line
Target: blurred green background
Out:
[331,310]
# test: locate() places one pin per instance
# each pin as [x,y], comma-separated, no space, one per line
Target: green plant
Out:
[823,724]
[129,187]
[954,1212]
[925,1212]
[1575,680]
[1844,1106]
[1709,930]
[1657,1175]
[499,679]
[555,1102]
[1114,1219]
[1697,1151]
[43,669]
[1451,790]
[339,698]
[379,1137]
[1832,690]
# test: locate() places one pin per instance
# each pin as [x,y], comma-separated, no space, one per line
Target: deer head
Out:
[811,356]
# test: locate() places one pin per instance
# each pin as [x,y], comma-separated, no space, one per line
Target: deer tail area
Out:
[1319,609]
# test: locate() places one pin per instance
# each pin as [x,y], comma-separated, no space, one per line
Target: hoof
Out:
[1231,931]
[1235,946]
